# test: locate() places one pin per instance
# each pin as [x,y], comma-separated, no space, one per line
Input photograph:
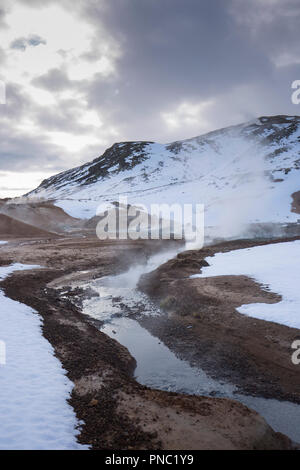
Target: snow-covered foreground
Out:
[276,266]
[34,413]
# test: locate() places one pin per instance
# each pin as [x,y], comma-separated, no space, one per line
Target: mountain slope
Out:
[245,173]
[44,216]
[12,228]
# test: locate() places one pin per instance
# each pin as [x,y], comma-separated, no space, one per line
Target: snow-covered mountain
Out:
[244,173]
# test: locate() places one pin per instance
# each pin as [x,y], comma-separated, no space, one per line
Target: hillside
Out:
[12,228]
[245,173]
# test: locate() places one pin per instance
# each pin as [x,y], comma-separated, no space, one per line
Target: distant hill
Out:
[12,228]
[244,173]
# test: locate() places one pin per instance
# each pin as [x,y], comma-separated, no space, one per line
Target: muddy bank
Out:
[118,413]
[201,325]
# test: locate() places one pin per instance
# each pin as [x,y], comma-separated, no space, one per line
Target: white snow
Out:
[275,266]
[228,171]
[3,242]
[34,413]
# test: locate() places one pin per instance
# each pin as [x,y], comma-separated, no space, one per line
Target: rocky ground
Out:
[117,412]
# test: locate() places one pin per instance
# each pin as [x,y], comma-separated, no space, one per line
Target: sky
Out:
[81,75]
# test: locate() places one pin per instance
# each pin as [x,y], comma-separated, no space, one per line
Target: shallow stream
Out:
[157,366]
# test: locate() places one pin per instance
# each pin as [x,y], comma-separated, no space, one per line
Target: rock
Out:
[94,402]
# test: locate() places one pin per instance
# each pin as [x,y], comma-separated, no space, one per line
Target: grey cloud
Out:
[174,52]
[173,47]
[18,104]
[31,41]
[64,117]
[54,80]
[20,151]
[3,23]
[274,25]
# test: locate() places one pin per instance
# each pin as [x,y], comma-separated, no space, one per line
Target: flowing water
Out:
[157,366]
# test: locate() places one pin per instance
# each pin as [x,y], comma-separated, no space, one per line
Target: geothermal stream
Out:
[157,366]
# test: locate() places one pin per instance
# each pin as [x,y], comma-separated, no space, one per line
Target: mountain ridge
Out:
[217,169]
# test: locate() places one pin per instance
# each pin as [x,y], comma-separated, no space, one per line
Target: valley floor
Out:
[116,411]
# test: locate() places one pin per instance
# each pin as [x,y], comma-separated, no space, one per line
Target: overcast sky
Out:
[83,74]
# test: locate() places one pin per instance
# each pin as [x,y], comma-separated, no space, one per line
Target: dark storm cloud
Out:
[175,51]
[18,104]
[173,46]
[274,25]
[31,41]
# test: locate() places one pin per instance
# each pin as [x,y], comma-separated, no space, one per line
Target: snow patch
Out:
[34,388]
[276,266]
